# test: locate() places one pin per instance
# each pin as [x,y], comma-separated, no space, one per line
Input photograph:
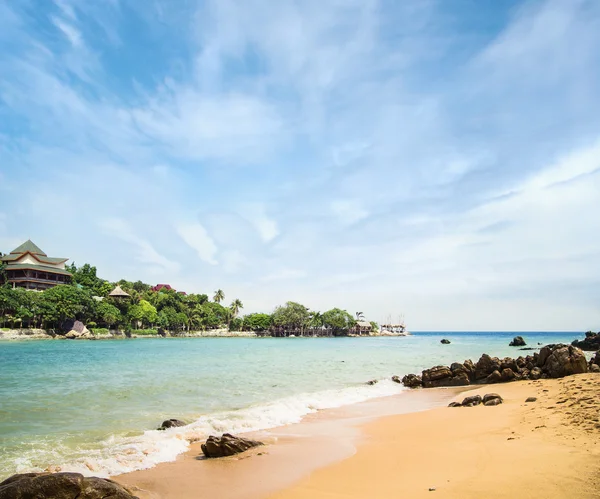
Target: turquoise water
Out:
[92,406]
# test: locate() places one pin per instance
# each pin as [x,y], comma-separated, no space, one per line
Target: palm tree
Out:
[360,316]
[219,296]
[235,307]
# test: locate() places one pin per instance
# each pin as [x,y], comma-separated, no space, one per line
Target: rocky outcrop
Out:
[227,445]
[488,399]
[445,341]
[517,341]
[562,360]
[171,423]
[412,381]
[553,361]
[591,343]
[372,382]
[61,486]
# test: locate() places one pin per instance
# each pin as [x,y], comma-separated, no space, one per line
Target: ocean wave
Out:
[117,455]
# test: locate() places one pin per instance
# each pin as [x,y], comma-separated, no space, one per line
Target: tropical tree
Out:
[339,322]
[219,296]
[257,322]
[292,316]
[360,316]
[235,307]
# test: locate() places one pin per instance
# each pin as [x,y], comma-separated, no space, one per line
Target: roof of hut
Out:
[363,324]
[118,292]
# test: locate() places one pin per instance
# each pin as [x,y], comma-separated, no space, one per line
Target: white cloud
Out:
[284,275]
[146,253]
[72,34]
[196,236]
[348,211]
[256,214]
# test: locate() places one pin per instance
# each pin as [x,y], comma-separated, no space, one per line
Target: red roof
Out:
[158,287]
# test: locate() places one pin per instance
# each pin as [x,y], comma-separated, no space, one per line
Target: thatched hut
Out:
[118,293]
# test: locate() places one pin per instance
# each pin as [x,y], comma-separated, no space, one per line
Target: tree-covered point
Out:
[87,299]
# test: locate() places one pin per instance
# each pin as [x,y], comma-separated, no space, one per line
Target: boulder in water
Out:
[517,341]
[171,423]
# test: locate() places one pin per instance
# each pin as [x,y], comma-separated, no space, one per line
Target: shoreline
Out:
[42,334]
[291,451]
[403,445]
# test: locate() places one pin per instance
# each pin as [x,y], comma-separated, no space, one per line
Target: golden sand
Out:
[545,449]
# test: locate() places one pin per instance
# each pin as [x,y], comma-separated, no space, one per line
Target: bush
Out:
[100,331]
[144,332]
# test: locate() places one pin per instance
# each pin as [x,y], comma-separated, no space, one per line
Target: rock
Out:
[493,402]
[494,377]
[445,341]
[485,366]
[594,368]
[507,375]
[535,373]
[454,404]
[491,396]
[443,376]
[372,382]
[471,401]
[596,359]
[72,335]
[517,341]
[396,379]
[171,423]
[412,381]
[530,399]
[227,445]
[562,360]
[61,486]
[591,343]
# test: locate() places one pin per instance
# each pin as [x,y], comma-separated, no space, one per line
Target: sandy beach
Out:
[547,448]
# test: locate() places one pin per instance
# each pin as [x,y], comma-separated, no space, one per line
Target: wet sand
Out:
[383,449]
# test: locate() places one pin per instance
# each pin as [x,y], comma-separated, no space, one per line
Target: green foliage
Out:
[108,314]
[257,322]
[291,315]
[236,324]
[144,332]
[339,321]
[374,326]
[219,296]
[100,331]
[235,307]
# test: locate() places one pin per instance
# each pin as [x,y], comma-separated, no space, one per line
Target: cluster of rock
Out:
[488,399]
[227,445]
[590,343]
[76,330]
[553,361]
[61,486]
[594,365]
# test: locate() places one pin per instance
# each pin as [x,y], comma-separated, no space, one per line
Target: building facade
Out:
[29,267]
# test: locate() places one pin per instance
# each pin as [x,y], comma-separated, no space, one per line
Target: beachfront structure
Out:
[363,327]
[29,267]
[118,293]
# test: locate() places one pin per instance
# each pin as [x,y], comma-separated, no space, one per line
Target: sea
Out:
[94,406]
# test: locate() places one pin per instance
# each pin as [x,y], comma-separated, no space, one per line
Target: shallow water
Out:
[92,406]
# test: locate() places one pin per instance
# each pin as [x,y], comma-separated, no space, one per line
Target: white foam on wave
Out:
[118,455]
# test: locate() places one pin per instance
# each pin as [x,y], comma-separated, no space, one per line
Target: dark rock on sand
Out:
[445,341]
[396,379]
[591,343]
[485,366]
[517,341]
[444,376]
[171,423]
[61,486]
[493,402]
[562,360]
[412,381]
[530,399]
[227,445]
[372,382]
[507,375]
[472,401]
[494,377]
[535,373]
[594,368]
[454,404]
[491,396]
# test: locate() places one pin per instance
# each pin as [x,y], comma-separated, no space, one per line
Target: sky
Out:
[436,159]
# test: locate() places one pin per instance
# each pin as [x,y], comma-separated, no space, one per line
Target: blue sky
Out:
[437,159]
